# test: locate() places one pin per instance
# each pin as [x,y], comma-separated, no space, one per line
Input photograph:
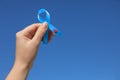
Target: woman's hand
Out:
[27,44]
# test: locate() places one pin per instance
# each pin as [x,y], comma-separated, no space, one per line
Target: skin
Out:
[27,44]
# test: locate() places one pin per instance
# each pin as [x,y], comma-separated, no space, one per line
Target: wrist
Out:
[22,65]
[19,71]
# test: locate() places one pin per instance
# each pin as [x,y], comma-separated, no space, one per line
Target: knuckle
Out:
[35,24]
[18,34]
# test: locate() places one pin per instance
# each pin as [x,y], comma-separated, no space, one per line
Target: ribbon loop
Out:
[46,17]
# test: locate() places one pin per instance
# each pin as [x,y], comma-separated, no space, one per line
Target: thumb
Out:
[40,32]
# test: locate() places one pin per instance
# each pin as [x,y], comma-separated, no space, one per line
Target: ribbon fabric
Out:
[44,16]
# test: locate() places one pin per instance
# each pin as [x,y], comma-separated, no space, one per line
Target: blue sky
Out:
[88,50]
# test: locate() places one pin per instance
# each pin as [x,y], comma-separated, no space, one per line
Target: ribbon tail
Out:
[45,38]
[55,30]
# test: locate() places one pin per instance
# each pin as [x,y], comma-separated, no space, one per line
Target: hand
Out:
[27,44]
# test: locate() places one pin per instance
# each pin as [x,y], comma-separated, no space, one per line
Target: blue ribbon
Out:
[46,18]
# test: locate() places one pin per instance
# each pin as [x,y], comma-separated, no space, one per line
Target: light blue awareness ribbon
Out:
[46,18]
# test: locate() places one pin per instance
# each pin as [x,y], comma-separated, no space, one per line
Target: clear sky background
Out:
[88,50]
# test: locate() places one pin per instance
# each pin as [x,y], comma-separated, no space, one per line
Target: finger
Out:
[32,27]
[30,31]
[40,33]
